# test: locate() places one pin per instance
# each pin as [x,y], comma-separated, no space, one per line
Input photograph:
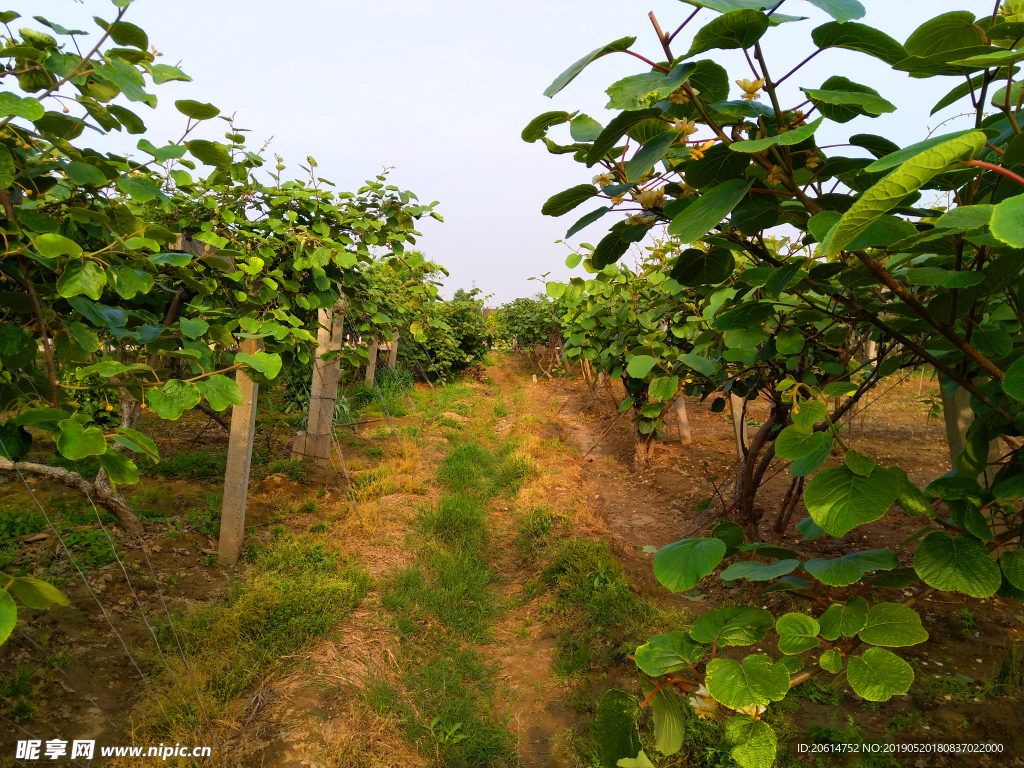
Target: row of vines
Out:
[801,275]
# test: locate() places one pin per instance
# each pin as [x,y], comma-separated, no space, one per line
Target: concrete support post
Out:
[315,442]
[739,424]
[393,352]
[371,362]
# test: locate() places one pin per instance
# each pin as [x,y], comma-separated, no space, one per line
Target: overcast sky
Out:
[442,89]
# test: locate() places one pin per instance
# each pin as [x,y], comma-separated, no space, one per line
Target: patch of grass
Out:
[373,484]
[535,532]
[375,451]
[17,694]
[457,520]
[204,516]
[818,692]
[501,410]
[298,591]
[200,465]
[293,470]
[318,527]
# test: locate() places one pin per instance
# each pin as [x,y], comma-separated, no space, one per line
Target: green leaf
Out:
[80,278]
[119,467]
[744,317]
[1008,222]
[945,278]
[7,168]
[848,569]
[640,761]
[897,578]
[839,500]
[893,625]
[735,29]
[729,532]
[699,364]
[713,206]
[1013,380]
[878,675]
[637,91]
[841,620]
[586,221]
[946,32]
[681,565]
[1012,564]
[755,682]
[669,724]
[193,329]
[209,153]
[735,625]
[649,154]
[163,73]
[785,584]
[901,156]
[570,74]
[961,564]
[909,497]
[173,258]
[616,730]
[695,267]
[77,442]
[139,188]
[15,441]
[584,128]
[859,464]
[787,139]
[754,741]
[797,633]
[197,110]
[615,130]
[220,391]
[810,529]
[132,122]
[854,98]
[663,388]
[640,365]
[563,202]
[51,246]
[719,164]
[840,10]
[831,661]
[83,173]
[859,37]
[8,615]
[128,282]
[266,363]
[538,127]
[28,108]
[755,571]
[135,441]
[668,653]
[173,398]
[795,442]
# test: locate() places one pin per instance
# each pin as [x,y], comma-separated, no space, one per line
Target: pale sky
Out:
[442,90]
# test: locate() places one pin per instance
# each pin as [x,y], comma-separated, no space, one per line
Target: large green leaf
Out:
[637,91]
[119,468]
[610,249]
[1013,380]
[1012,564]
[719,164]
[129,282]
[844,620]
[197,110]
[640,365]
[797,633]
[669,723]
[713,206]
[36,593]
[841,10]
[787,139]
[1008,221]
[266,363]
[563,202]
[735,625]
[695,267]
[220,391]
[8,615]
[878,675]
[681,565]
[944,278]
[795,442]
[699,364]
[77,442]
[663,388]
[946,32]
[584,128]
[754,682]
[135,441]
[848,569]
[961,564]
[842,100]
[173,398]
[900,156]
[735,29]
[756,571]
[586,221]
[209,152]
[858,37]
[51,245]
[744,317]
[754,743]
[570,74]
[617,734]
[668,653]
[839,500]
[893,625]
[82,278]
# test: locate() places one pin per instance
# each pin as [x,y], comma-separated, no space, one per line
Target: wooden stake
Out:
[682,420]
[739,424]
[315,442]
[371,362]
[236,478]
[393,352]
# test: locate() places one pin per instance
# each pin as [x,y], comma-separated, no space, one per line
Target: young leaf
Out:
[197,110]
[831,661]
[570,74]
[173,398]
[119,467]
[893,625]
[669,652]
[220,391]
[669,725]
[35,593]
[844,620]
[797,633]
[755,682]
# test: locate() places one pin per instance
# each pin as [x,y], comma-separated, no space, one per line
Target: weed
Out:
[375,452]
[818,692]
[373,484]
[293,470]
[318,527]
[965,622]
[501,410]
[200,465]
[91,547]
[535,531]
[60,659]
[17,694]
[900,723]
[204,517]
[457,520]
